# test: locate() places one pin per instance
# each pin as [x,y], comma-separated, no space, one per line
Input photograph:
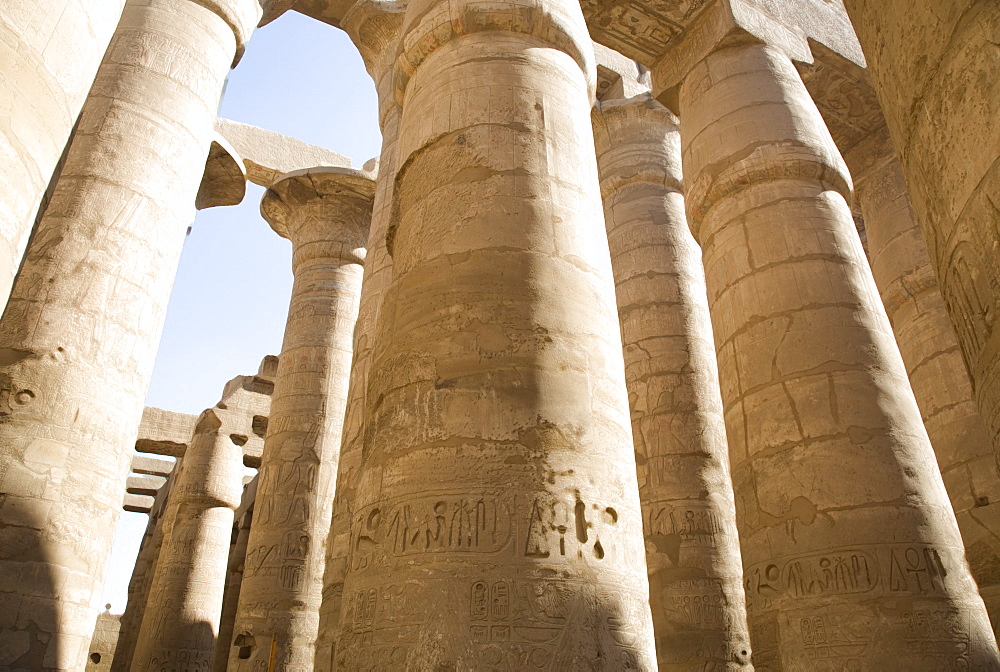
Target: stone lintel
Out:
[144,464]
[618,76]
[138,503]
[144,485]
[164,432]
[267,155]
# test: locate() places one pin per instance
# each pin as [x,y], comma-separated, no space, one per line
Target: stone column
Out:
[940,381]
[689,517]
[326,213]
[496,519]
[142,579]
[852,556]
[49,53]
[78,337]
[182,618]
[231,598]
[935,67]
[374,29]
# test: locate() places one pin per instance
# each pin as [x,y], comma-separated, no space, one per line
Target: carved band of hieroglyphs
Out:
[889,569]
[431,524]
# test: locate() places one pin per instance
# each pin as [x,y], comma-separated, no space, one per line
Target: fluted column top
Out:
[637,141]
[322,204]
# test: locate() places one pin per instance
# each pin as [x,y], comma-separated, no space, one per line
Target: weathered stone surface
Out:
[102,646]
[267,155]
[82,324]
[844,522]
[49,53]
[934,66]
[142,579]
[497,450]
[143,464]
[234,577]
[185,600]
[374,28]
[905,278]
[689,517]
[224,181]
[144,485]
[326,213]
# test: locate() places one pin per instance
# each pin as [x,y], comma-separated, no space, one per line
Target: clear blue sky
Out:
[302,78]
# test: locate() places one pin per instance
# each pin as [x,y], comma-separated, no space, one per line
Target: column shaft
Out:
[496,518]
[141,581]
[182,618]
[905,277]
[366,23]
[935,67]
[851,552]
[49,53]
[326,214]
[689,517]
[80,331]
[231,598]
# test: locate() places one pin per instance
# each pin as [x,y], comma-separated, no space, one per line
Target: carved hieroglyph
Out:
[496,519]
[49,53]
[930,350]
[689,518]
[182,617]
[81,328]
[374,28]
[851,552]
[326,213]
[934,66]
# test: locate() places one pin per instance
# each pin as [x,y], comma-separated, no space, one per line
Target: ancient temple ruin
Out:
[659,336]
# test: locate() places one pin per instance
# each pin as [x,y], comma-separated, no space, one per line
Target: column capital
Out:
[430,24]
[639,141]
[322,205]
[723,24]
[241,15]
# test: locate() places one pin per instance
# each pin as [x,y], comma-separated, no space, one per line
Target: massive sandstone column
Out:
[182,617]
[49,53]
[689,518]
[851,552]
[374,28]
[326,213]
[935,67]
[496,517]
[234,582]
[78,337]
[940,381]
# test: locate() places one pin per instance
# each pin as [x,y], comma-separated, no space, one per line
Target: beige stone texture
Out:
[905,277]
[142,578]
[267,155]
[234,577]
[497,448]
[80,331]
[181,619]
[49,53]
[845,527]
[934,68]
[326,213]
[224,181]
[374,28]
[689,517]
[102,646]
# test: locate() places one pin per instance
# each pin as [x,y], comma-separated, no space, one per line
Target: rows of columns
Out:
[493,514]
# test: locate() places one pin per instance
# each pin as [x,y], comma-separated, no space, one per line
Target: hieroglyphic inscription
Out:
[447,523]
[892,569]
